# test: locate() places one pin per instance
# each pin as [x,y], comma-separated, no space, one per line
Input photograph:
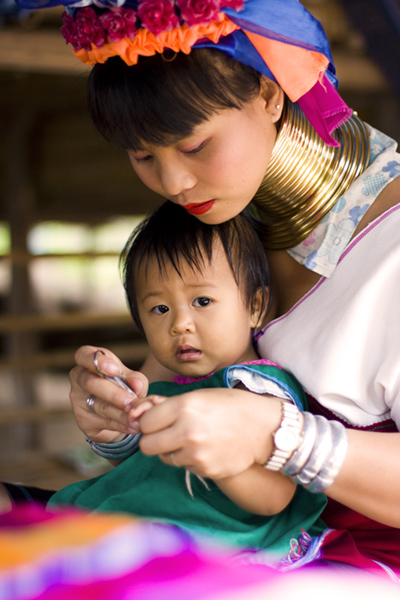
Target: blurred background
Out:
[68,203]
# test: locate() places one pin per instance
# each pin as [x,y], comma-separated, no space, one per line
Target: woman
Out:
[214,134]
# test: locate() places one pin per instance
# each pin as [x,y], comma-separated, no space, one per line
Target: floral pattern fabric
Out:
[322,249]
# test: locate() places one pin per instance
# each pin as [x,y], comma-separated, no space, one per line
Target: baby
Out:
[198,292]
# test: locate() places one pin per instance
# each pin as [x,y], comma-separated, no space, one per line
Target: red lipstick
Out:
[199,209]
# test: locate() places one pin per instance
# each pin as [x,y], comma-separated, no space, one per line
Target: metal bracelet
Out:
[116,450]
[300,456]
[319,454]
[333,463]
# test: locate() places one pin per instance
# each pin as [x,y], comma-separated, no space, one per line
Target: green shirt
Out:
[146,487]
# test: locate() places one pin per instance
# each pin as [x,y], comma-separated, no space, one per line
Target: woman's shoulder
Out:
[387,199]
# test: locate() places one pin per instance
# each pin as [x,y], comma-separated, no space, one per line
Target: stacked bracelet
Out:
[320,454]
[116,450]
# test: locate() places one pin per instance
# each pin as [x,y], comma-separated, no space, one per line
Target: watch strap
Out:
[290,424]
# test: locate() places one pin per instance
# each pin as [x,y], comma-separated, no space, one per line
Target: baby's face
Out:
[196,324]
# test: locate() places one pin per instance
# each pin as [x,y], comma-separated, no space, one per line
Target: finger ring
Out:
[172,459]
[90,403]
[96,362]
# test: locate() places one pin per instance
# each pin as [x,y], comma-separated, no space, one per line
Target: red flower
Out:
[195,12]
[84,30]
[158,15]
[68,31]
[130,22]
[234,4]
[119,23]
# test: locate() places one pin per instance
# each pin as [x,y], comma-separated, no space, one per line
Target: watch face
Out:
[287,439]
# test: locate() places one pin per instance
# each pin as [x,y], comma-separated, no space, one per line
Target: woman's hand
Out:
[108,421]
[214,433]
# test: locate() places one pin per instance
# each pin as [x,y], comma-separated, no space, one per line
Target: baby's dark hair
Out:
[172,236]
[159,101]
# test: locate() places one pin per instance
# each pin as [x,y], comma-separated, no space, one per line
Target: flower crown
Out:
[99,32]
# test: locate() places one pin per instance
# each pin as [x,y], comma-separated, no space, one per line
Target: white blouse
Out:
[342,340]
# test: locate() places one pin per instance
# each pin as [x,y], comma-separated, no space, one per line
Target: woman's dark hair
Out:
[173,236]
[159,101]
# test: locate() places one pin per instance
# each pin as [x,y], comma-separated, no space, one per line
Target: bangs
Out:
[159,101]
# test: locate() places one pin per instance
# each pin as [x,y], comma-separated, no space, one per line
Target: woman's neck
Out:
[292,280]
[305,177]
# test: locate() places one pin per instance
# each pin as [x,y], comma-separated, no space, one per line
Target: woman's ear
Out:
[259,308]
[274,98]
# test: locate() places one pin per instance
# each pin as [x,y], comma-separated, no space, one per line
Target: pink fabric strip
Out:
[325,110]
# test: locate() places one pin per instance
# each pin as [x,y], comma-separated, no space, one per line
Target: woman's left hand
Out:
[214,433]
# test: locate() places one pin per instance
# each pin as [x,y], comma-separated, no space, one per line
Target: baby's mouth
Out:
[187,353]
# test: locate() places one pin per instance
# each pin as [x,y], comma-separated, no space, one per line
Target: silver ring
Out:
[90,403]
[96,362]
[172,459]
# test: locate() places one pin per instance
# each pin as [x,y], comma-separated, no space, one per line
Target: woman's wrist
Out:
[311,453]
[117,450]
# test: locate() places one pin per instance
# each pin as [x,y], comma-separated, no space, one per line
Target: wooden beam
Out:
[44,51]
[80,320]
[38,52]
[132,353]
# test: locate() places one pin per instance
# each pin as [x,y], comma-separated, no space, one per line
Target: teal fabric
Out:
[146,487]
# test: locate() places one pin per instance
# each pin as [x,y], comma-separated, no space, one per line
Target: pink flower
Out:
[119,23]
[68,31]
[158,15]
[114,23]
[130,22]
[84,30]
[234,4]
[195,12]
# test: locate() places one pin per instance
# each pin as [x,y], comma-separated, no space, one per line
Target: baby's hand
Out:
[142,405]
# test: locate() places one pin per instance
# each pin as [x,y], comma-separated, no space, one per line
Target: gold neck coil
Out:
[305,177]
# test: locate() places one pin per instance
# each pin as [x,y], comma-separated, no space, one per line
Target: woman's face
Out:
[215,172]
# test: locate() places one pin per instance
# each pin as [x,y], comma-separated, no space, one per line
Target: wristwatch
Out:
[286,437]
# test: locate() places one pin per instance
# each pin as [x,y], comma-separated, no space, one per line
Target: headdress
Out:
[278,38]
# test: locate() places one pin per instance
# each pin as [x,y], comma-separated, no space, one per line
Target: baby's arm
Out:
[258,490]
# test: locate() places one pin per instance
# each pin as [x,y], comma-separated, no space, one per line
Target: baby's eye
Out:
[202,301]
[161,309]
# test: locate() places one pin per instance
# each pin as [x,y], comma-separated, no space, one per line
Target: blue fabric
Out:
[238,46]
[282,20]
[285,21]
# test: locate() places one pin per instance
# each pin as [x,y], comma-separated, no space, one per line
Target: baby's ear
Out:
[259,308]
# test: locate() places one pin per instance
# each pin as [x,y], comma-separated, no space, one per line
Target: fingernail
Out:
[110,368]
[128,402]
[134,427]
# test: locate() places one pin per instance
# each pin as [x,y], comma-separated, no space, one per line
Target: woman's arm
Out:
[215,433]
[369,480]
[218,433]
[259,491]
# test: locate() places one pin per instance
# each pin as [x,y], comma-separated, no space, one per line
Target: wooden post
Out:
[19,199]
